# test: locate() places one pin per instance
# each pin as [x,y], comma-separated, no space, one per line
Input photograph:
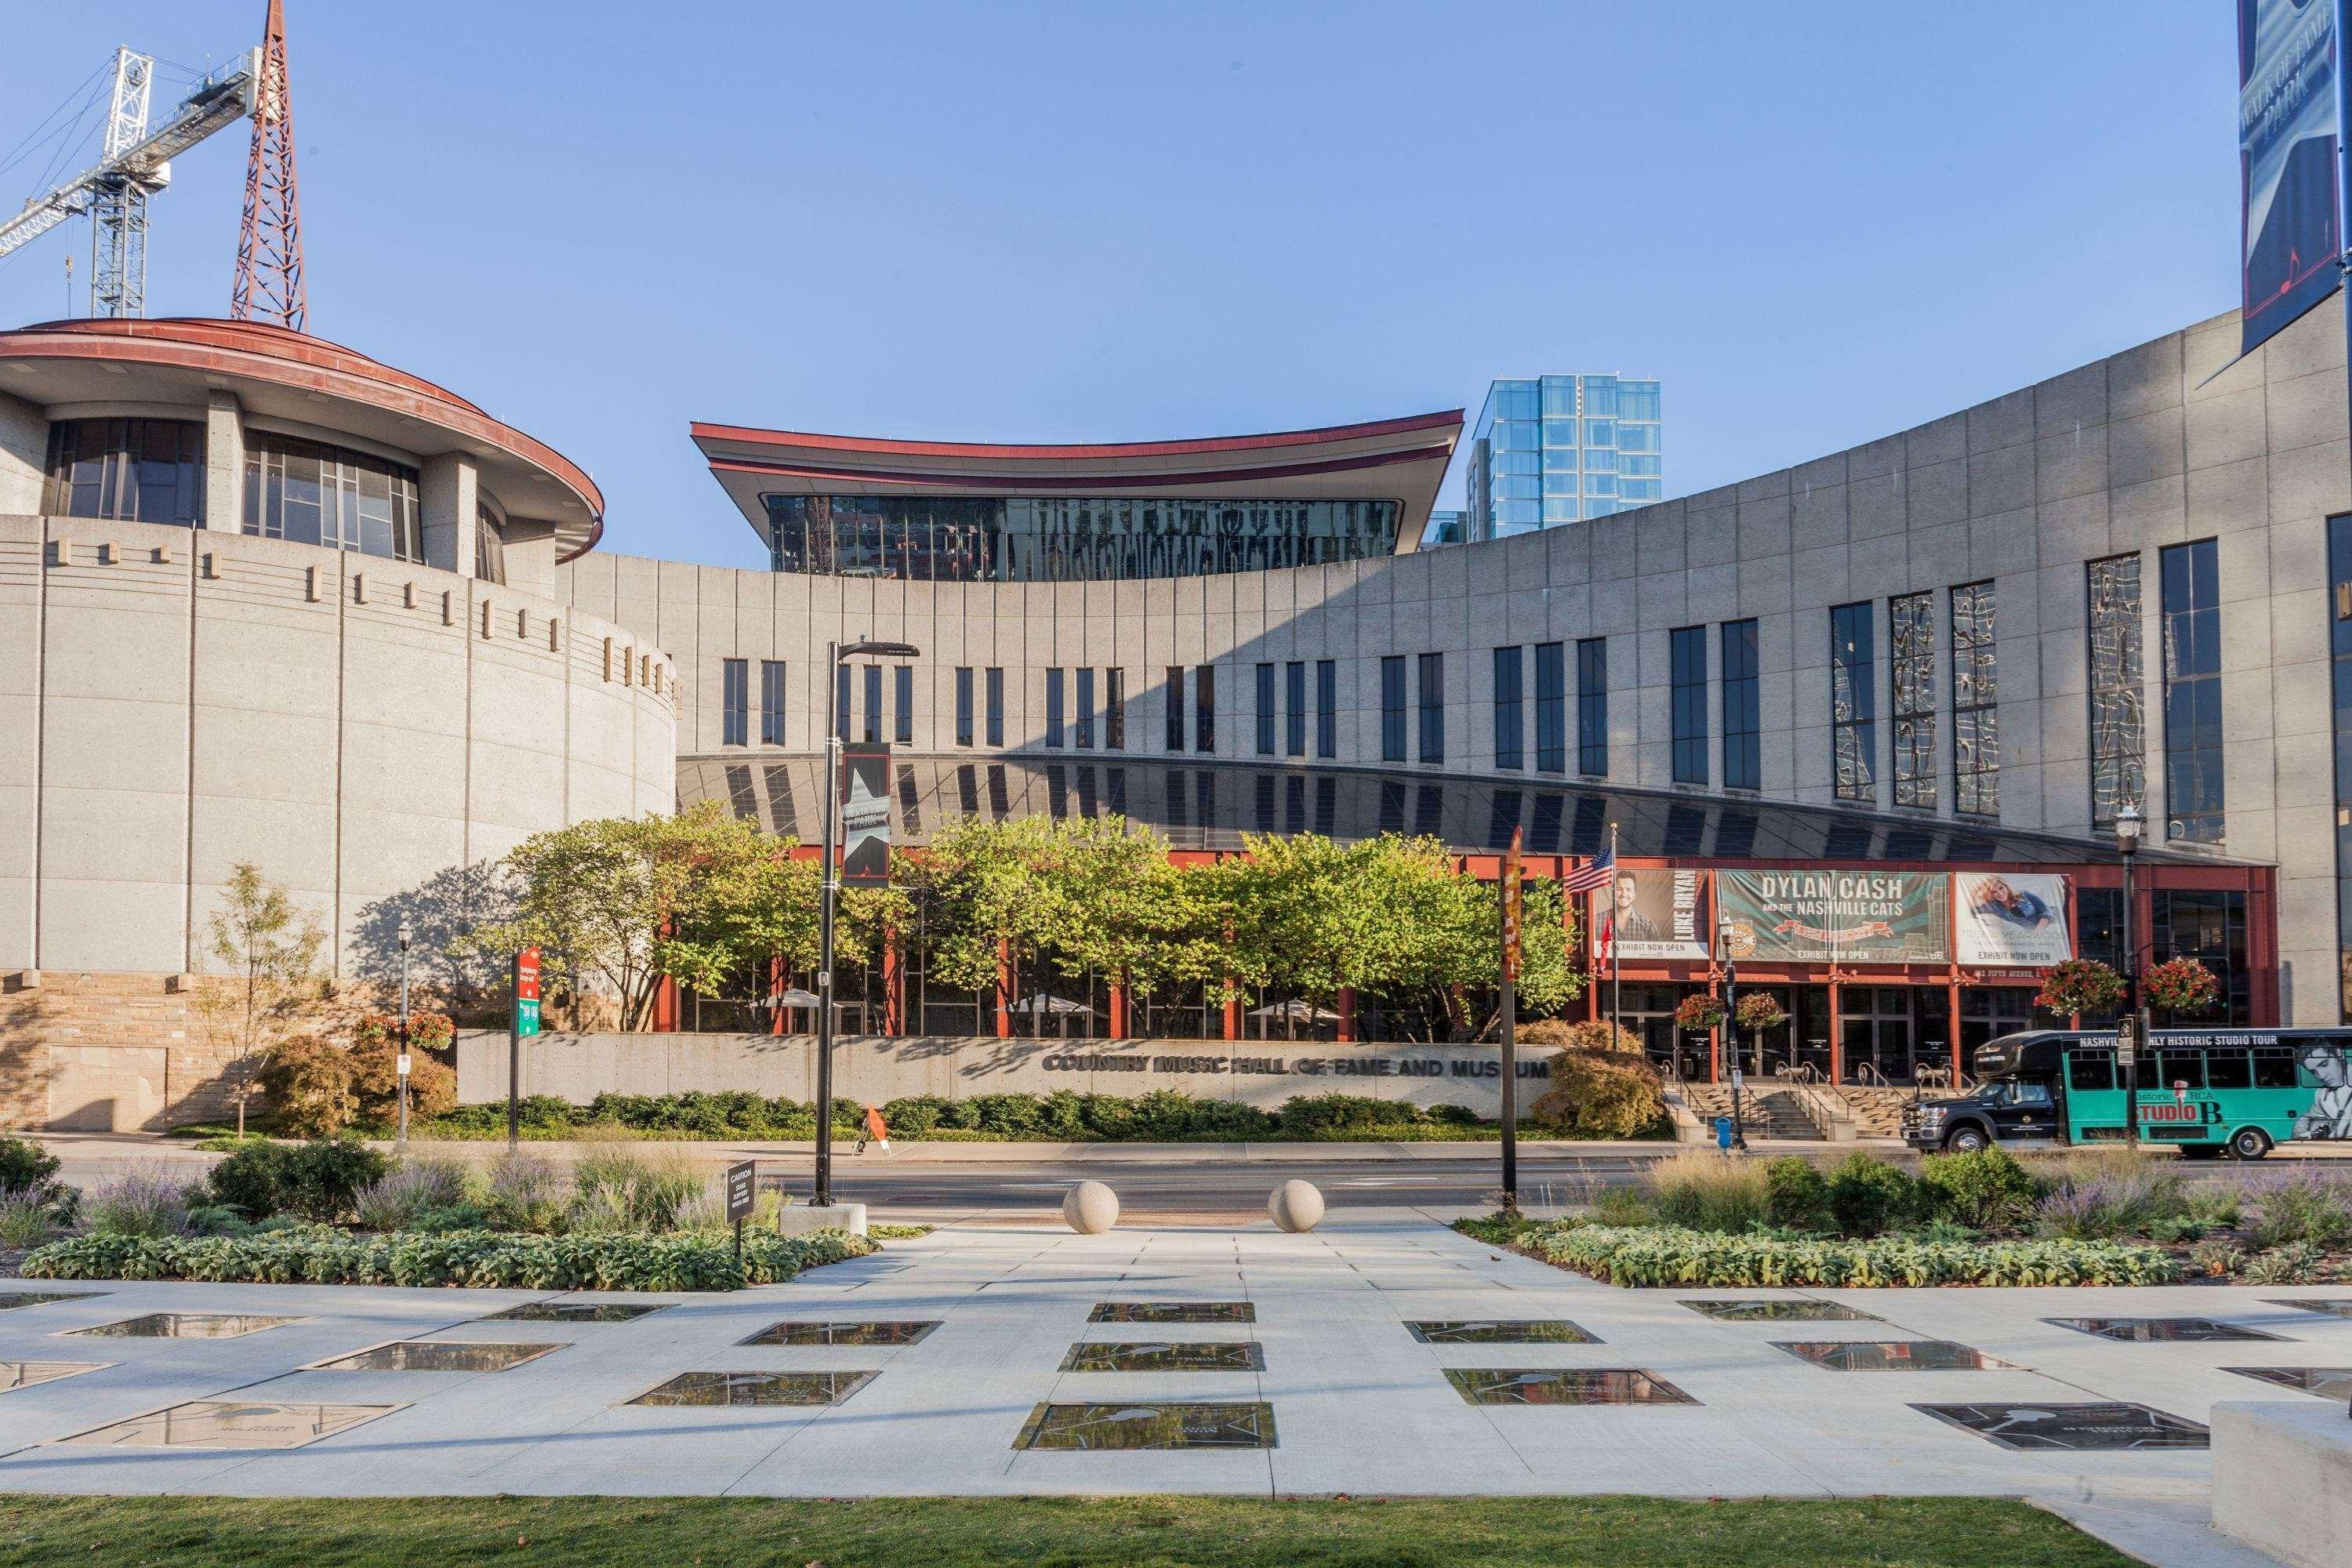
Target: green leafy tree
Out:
[267,947]
[617,903]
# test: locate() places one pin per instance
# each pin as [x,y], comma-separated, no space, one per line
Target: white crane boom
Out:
[134,165]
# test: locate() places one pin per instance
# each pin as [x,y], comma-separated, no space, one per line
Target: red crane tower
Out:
[269,244]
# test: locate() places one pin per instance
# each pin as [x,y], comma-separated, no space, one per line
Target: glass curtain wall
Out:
[984,539]
[1911,631]
[2192,693]
[1976,703]
[314,494]
[2118,732]
[127,470]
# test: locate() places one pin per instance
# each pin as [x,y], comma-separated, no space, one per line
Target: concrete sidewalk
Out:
[1359,1404]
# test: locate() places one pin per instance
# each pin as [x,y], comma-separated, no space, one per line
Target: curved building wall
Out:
[175,700]
[2167,443]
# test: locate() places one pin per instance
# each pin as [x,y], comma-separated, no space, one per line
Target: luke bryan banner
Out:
[1850,917]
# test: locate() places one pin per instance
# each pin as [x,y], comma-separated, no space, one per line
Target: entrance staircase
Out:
[1766,1109]
[1878,1110]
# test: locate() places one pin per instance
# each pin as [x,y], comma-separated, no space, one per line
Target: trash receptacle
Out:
[1722,1132]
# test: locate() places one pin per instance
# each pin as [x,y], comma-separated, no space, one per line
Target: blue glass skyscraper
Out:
[1561,449]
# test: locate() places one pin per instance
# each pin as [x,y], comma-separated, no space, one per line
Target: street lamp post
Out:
[2128,833]
[406,933]
[829,890]
[1731,1022]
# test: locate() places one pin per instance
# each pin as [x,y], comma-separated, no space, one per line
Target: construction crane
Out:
[135,163]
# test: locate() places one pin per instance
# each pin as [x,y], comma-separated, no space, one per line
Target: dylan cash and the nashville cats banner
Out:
[2012,918]
[1848,917]
[1659,914]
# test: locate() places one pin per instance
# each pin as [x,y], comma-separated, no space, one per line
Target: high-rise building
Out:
[1446,528]
[1561,449]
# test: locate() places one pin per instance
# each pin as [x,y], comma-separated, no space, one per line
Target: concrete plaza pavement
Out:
[1360,1405]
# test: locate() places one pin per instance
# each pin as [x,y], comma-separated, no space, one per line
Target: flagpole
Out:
[1616,983]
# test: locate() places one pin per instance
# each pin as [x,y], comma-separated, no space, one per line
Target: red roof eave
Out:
[1093,451]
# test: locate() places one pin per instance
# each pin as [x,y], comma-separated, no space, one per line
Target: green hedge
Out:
[702,1260]
[1660,1255]
[1161,1116]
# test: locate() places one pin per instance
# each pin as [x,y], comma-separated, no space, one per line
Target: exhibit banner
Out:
[2288,129]
[2012,918]
[1659,914]
[1844,917]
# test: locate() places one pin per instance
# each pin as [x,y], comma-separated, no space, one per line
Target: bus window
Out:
[2226,1068]
[2089,1073]
[2181,1066]
[2273,1068]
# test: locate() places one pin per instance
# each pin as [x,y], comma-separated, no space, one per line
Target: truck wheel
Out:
[2250,1144]
[1966,1141]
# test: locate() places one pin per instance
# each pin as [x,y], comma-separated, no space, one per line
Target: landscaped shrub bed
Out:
[1161,1116]
[2116,1216]
[696,1261]
[1671,1254]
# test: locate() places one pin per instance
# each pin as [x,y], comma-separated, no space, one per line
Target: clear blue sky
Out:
[1819,223]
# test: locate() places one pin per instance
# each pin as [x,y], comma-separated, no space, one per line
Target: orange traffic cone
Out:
[875,1131]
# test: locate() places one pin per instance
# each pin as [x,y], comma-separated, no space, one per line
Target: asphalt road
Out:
[936,1190]
[932,1191]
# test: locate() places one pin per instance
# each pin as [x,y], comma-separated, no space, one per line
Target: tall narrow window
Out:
[1911,640]
[1976,703]
[1054,735]
[1551,708]
[1743,721]
[840,710]
[2118,729]
[1204,707]
[963,705]
[1174,691]
[2339,622]
[1265,709]
[1327,707]
[1432,708]
[1294,708]
[902,704]
[1114,709]
[995,706]
[1853,704]
[1392,707]
[1510,708]
[1687,656]
[2192,692]
[1593,707]
[1084,715]
[771,703]
[874,703]
[734,702]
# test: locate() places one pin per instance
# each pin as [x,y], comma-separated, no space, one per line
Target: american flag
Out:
[1597,873]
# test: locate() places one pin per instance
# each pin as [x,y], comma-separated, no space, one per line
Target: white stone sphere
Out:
[1091,1208]
[1295,1205]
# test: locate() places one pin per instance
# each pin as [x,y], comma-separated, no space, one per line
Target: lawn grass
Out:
[949,1532]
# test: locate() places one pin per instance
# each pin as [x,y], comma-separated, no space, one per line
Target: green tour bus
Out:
[2202,1090]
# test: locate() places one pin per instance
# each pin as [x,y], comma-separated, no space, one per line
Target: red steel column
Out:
[1347,1014]
[1003,989]
[894,986]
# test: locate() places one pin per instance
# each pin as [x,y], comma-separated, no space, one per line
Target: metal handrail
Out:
[1868,1073]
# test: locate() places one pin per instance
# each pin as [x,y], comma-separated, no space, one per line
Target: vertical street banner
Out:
[865,787]
[1512,910]
[1654,913]
[1844,917]
[2011,920]
[2287,132]
[526,992]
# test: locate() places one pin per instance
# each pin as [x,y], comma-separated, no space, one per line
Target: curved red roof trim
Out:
[300,361]
[1155,479]
[1014,451]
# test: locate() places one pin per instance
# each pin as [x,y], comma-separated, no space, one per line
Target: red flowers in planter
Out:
[1698,1013]
[2180,985]
[2080,985]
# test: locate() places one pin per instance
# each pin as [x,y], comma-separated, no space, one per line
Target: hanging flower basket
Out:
[1758,1010]
[2080,985]
[2180,985]
[1699,1014]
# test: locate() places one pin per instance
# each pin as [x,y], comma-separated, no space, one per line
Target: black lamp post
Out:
[406,933]
[2128,824]
[1731,1022]
[829,891]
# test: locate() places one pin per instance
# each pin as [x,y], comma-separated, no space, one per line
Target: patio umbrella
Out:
[1305,1012]
[1055,1006]
[795,997]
